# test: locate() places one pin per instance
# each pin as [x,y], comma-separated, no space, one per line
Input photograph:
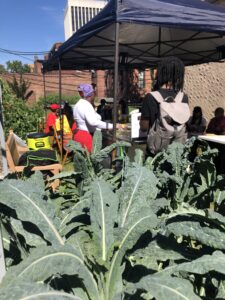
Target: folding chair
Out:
[61,144]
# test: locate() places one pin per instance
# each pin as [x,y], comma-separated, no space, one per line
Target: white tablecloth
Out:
[220,139]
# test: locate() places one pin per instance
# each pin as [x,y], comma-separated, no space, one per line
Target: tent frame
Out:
[120,64]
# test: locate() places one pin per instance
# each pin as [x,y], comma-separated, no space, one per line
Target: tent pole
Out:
[159,43]
[60,110]
[44,95]
[116,71]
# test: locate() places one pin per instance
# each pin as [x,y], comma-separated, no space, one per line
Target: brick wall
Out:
[100,83]
[204,84]
[70,81]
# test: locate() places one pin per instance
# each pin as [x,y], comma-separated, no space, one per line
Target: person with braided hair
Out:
[165,111]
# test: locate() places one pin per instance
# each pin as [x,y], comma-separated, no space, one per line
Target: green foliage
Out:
[54,98]
[30,206]
[149,234]
[2,69]
[20,88]
[167,288]
[90,166]
[34,291]
[16,66]
[18,115]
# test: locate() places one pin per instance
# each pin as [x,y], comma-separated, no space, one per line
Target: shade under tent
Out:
[136,34]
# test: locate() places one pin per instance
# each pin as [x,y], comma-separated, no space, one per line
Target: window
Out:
[87,15]
[72,15]
[90,10]
[76,18]
[80,19]
[83,16]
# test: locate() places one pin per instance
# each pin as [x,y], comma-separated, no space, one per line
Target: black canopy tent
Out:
[136,34]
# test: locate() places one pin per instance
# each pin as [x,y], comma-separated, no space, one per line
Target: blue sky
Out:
[30,25]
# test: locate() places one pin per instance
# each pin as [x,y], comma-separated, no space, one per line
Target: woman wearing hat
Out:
[86,118]
[51,118]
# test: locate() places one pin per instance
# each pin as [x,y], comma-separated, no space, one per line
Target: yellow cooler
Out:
[38,140]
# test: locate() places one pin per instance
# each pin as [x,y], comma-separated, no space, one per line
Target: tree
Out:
[16,66]
[19,116]
[2,69]
[20,88]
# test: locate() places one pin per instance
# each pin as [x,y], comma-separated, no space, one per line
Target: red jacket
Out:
[50,121]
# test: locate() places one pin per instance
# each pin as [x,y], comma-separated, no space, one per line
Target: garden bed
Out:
[154,229]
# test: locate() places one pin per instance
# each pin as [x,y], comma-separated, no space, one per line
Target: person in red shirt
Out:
[217,124]
[51,118]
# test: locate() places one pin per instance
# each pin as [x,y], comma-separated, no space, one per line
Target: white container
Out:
[135,125]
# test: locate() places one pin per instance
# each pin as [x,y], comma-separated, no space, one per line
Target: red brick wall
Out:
[70,81]
[100,84]
[148,80]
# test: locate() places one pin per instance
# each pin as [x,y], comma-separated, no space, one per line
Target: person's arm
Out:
[93,120]
[149,111]
[144,125]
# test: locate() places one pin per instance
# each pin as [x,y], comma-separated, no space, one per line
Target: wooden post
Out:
[44,96]
[61,110]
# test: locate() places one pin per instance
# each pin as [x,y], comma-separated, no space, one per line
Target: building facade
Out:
[79,12]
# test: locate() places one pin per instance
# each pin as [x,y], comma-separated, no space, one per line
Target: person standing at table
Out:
[86,118]
[101,109]
[165,112]
[196,125]
[217,124]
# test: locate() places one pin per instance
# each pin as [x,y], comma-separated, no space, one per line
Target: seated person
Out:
[66,125]
[217,124]
[67,131]
[196,125]
[51,118]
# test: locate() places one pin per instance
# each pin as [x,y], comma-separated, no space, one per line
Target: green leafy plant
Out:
[54,98]
[16,66]
[2,68]
[18,115]
[144,236]
[20,87]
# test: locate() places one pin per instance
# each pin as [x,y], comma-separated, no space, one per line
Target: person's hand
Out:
[121,126]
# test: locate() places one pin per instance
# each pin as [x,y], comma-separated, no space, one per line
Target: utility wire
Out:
[27,58]
[50,85]
[23,52]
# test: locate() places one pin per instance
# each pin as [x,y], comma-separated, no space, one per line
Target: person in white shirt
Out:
[86,118]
